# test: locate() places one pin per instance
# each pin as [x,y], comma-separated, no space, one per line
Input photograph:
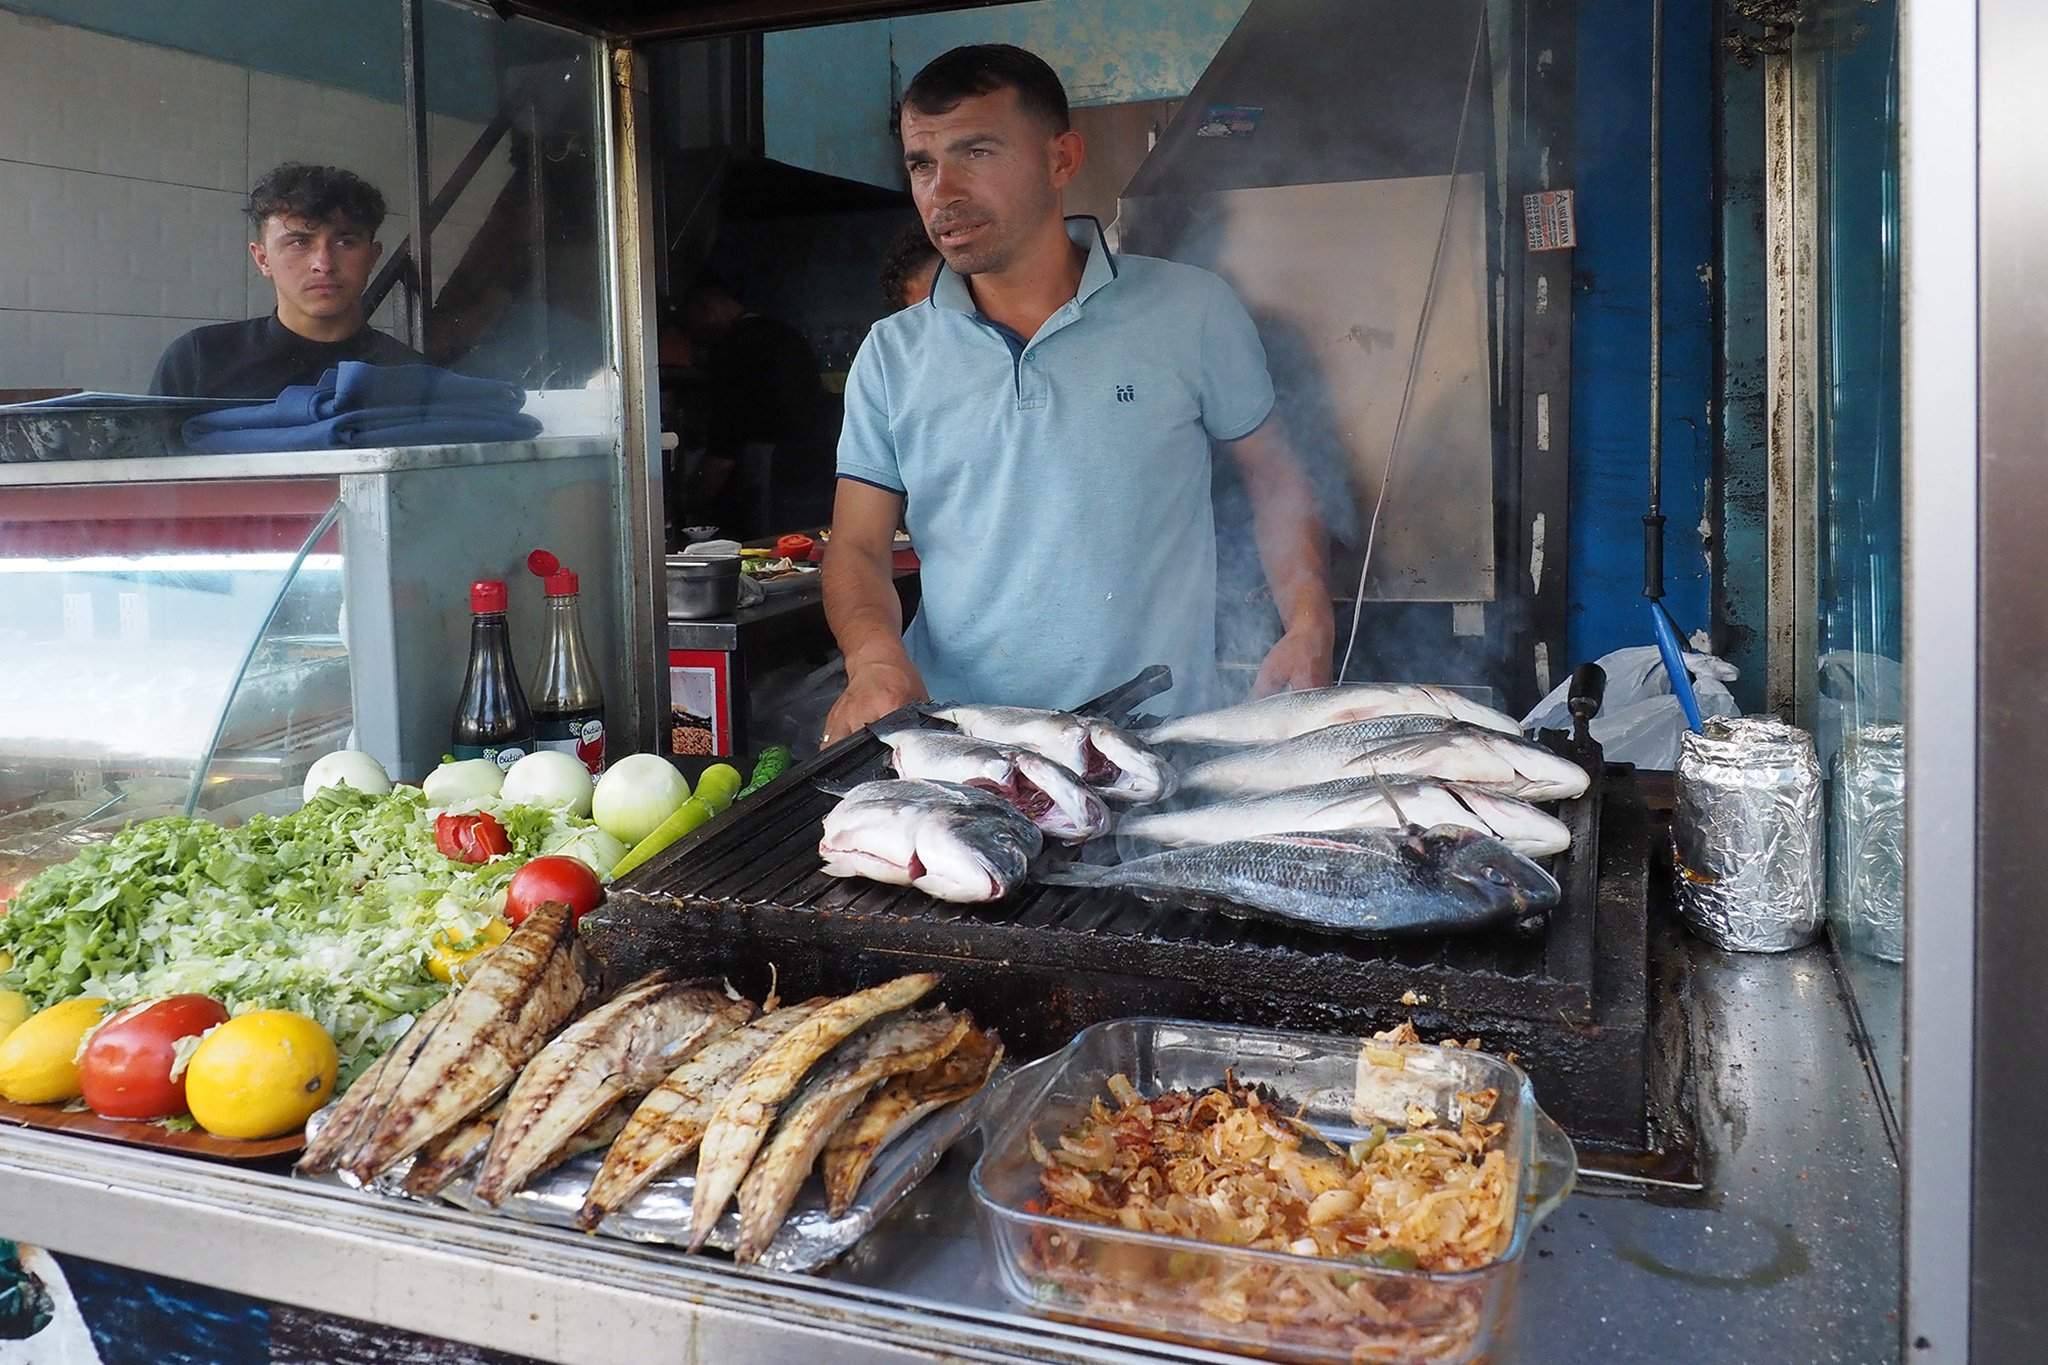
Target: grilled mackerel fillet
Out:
[671,1120]
[889,1048]
[749,1108]
[623,1047]
[530,985]
[449,1155]
[353,1116]
[895,1107]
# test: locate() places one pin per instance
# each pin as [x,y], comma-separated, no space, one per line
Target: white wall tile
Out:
[84,351]
[83,242]
[70,97]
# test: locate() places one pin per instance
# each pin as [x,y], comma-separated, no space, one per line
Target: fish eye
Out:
[1494,875]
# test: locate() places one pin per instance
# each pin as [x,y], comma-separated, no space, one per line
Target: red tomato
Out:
[794,547]
[125,1070]
[552,879]
[474,838]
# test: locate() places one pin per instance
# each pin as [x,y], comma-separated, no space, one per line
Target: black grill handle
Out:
[1588,690]
[1117,704]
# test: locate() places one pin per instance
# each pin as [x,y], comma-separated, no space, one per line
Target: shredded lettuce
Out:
[330,911]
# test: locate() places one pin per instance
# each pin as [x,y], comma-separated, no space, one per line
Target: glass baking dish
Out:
[1269,1303]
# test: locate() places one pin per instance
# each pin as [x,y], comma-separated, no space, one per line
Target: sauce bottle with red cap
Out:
[491,719]
[568,708]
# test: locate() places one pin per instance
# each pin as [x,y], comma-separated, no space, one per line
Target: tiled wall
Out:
[123,168]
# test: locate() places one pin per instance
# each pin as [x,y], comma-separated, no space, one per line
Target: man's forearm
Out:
[1293,546]
[863,610]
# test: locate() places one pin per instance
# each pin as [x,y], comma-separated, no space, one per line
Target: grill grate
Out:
[1569,998]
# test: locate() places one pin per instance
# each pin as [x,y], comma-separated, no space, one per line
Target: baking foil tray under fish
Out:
[808,1239]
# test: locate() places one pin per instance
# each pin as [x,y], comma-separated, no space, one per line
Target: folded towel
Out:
[357,405]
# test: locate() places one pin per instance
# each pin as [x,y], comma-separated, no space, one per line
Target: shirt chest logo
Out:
[1126,393]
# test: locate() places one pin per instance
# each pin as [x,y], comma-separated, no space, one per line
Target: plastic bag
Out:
[1640,719]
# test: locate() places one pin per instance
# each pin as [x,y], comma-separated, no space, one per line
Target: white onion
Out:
[346,768]
[636,795]
[549,778]
[468,779]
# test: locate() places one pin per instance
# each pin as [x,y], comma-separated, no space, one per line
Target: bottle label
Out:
[504,757]
[582,736]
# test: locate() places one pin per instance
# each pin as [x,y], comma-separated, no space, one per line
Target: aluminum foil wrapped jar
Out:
[1867,843]
[1747,843]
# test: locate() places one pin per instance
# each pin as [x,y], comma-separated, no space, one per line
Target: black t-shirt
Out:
[261,358]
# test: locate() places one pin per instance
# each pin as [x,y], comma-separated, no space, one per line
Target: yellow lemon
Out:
[14,1011]
[39,1056]
[260,1074]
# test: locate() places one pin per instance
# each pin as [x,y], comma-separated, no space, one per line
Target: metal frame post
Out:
[417,158]
[642,547]
[1938,45]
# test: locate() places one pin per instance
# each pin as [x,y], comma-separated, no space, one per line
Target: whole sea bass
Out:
[1371,882]
[1356,803]
[955,843]
[1048,794]
[1287,714]
[1113,761]
[1470,754]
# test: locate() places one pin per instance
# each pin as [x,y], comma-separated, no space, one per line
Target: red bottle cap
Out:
[487,595]
[555,580]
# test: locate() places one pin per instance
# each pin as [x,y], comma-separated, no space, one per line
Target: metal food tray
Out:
[809,1238]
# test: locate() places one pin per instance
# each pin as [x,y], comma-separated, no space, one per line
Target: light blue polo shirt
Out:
[1057,488]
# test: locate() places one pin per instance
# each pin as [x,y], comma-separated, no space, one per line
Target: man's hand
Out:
[871,694]
[1300,658]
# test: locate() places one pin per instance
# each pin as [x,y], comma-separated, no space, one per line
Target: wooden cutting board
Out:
[84,1123]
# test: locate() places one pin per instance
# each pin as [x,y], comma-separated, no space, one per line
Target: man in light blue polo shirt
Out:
[1043,423]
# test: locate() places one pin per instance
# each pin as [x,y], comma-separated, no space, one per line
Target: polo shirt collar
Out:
[949,290]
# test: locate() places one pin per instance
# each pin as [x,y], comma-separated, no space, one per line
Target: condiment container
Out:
[703,586]
[1184,1290]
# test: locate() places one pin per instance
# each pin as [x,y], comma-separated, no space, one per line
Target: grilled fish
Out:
[449,1155]
[955,843]
[352,1116]
[671,1121]
[891,1110]
[1285,715]
[530,985]
[1113,761]
[1470,754]
[623,1047]
[749,1108]
[1371,882]
[1356,803]
[1047,794]
[890,1048]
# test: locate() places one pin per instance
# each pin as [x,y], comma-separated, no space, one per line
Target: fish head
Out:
[1555,777]
[1057,802]
[968,855]
[1124,767]
[1501,878]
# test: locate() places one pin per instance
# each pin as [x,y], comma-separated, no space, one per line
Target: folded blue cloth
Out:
[356,405]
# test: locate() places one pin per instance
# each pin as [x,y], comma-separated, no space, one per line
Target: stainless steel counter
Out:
[1792,1255]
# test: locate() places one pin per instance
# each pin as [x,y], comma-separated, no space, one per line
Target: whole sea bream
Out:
[1370,882]
[1355,803]
[1287,714]
[1046,793]
[512,1004]
[750,1106]
[671,1121]
[1471,754]
[1111,760]
[952,842]
[889,1048]
[625,1046]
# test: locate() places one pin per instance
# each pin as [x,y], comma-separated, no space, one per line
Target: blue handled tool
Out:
[1674,664]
